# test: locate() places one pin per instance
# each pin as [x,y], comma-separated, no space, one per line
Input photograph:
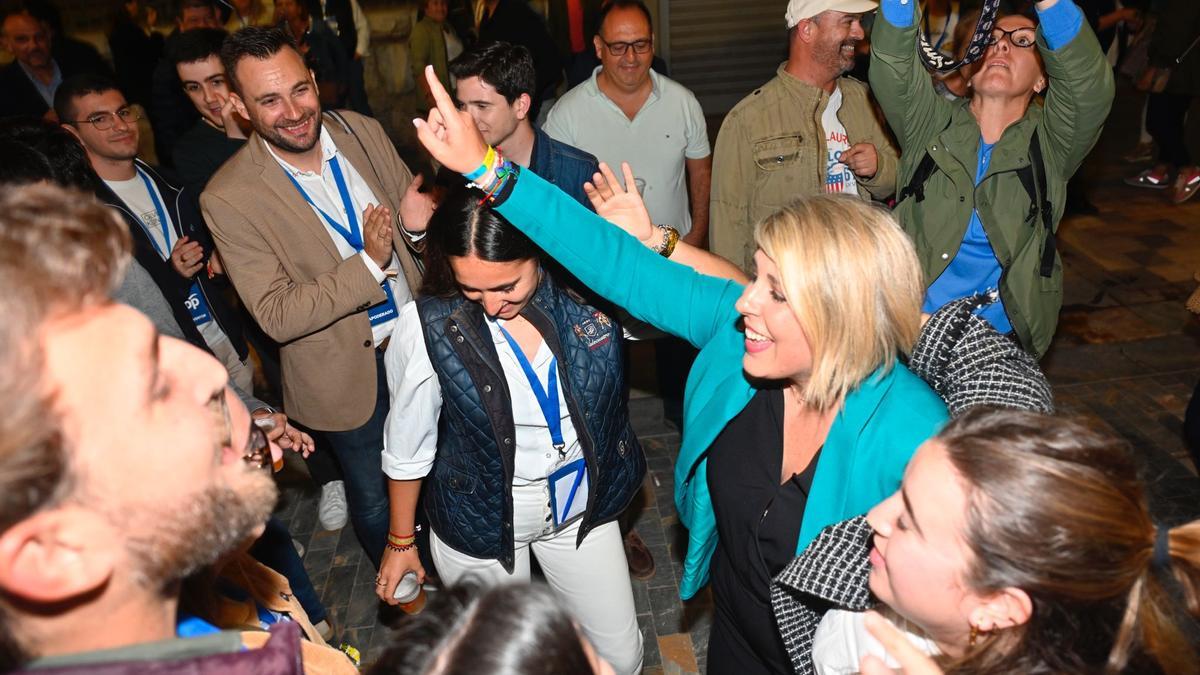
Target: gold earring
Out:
[974,635]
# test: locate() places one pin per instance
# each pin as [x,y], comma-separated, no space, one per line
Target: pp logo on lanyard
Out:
[378,313]
[980,40]
[196,304]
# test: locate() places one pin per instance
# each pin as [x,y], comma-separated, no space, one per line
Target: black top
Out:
[758,524]
[200,152]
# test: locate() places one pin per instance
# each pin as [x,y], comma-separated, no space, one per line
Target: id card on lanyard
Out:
[196,304]
[569,483]
[378,313]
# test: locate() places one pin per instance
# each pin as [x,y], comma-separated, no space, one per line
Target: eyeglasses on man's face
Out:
[1024,37]
[103,121]
[619,48]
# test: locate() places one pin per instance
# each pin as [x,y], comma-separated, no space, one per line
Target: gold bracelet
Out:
[670,239]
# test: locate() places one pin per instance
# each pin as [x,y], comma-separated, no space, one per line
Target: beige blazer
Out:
[289,274]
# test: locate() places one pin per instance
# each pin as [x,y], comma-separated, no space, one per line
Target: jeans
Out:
[275,550]
[359,455]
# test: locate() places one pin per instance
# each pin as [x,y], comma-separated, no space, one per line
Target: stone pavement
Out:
[1126,357]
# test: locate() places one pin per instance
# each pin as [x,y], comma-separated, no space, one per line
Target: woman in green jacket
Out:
[983,179]
[798,413]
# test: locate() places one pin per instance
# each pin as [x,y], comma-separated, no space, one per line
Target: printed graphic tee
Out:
[838,176]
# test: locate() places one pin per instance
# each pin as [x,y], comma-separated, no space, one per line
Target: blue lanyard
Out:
[162,217]
[351,234]
[547,398]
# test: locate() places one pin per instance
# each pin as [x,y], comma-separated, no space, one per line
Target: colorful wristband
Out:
[488,159]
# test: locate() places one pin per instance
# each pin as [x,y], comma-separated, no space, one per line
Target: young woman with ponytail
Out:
[1023,543]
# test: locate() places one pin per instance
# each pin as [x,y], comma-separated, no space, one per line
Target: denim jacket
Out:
[566,166]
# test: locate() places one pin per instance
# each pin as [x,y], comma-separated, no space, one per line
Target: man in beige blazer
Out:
[305,219]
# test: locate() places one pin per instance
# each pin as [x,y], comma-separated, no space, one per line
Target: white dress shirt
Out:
[411,430]
[322,190]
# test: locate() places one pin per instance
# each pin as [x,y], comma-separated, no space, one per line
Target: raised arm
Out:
[1081,83]
[612,263]
[626,209]
[900,82]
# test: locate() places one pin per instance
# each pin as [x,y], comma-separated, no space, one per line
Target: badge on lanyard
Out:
[568,492]
[196,304]
[378,313]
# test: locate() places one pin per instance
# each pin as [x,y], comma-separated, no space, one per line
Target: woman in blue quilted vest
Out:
[797,411]
[509,409]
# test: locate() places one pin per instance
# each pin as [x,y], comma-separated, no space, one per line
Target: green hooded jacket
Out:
[1068,124]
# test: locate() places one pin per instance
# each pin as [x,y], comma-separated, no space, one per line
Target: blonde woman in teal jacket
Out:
[797,412]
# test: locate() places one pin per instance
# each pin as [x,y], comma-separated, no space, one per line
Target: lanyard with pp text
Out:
[547,398]
[196,304]
[162,217]
[352,235]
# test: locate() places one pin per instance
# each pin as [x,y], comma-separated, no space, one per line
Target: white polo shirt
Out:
[669,127]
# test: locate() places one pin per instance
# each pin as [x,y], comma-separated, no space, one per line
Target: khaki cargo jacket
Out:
[771,150]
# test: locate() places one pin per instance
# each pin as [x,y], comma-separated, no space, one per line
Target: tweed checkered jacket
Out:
[968,364]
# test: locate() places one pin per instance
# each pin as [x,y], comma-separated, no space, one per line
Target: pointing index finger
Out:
[441,97]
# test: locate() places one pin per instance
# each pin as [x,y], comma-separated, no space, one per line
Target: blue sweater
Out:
[870,442]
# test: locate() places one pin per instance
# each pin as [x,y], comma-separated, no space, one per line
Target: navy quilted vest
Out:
[469,490]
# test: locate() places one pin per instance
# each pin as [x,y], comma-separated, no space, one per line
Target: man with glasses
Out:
[985,177]
[807,131]
[626,112]
[170,238]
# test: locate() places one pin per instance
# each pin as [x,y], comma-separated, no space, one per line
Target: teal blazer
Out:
[870,442]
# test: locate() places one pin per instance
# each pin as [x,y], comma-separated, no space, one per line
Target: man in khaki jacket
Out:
[807,131]
[305,219]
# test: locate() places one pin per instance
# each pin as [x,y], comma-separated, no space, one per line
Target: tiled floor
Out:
[1127,357]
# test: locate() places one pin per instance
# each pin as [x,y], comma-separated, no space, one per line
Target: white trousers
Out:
[591,581]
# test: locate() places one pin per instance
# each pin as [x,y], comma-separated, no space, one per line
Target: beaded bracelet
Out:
[501,172]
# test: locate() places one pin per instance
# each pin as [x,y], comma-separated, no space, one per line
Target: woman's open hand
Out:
[450,135]
[622,206]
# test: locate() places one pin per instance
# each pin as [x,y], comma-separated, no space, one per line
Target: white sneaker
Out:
[332,511]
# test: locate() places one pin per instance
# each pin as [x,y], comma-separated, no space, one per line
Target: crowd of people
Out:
[212,254]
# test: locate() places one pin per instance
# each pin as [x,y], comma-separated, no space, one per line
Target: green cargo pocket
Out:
[777,152]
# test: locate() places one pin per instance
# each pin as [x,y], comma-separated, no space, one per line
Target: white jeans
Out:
[591,581]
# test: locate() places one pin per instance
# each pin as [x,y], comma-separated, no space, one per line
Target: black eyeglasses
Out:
[619,48]
[105,120]
[1019,37]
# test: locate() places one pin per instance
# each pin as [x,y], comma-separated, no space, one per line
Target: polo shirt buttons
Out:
[945,256]
[366,343]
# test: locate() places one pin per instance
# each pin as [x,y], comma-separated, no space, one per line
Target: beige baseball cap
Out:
[806,9]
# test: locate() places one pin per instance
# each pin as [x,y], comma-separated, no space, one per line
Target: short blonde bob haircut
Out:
[852,278]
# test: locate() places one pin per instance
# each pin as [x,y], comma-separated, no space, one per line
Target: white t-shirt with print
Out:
[838,176]
[137,199]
